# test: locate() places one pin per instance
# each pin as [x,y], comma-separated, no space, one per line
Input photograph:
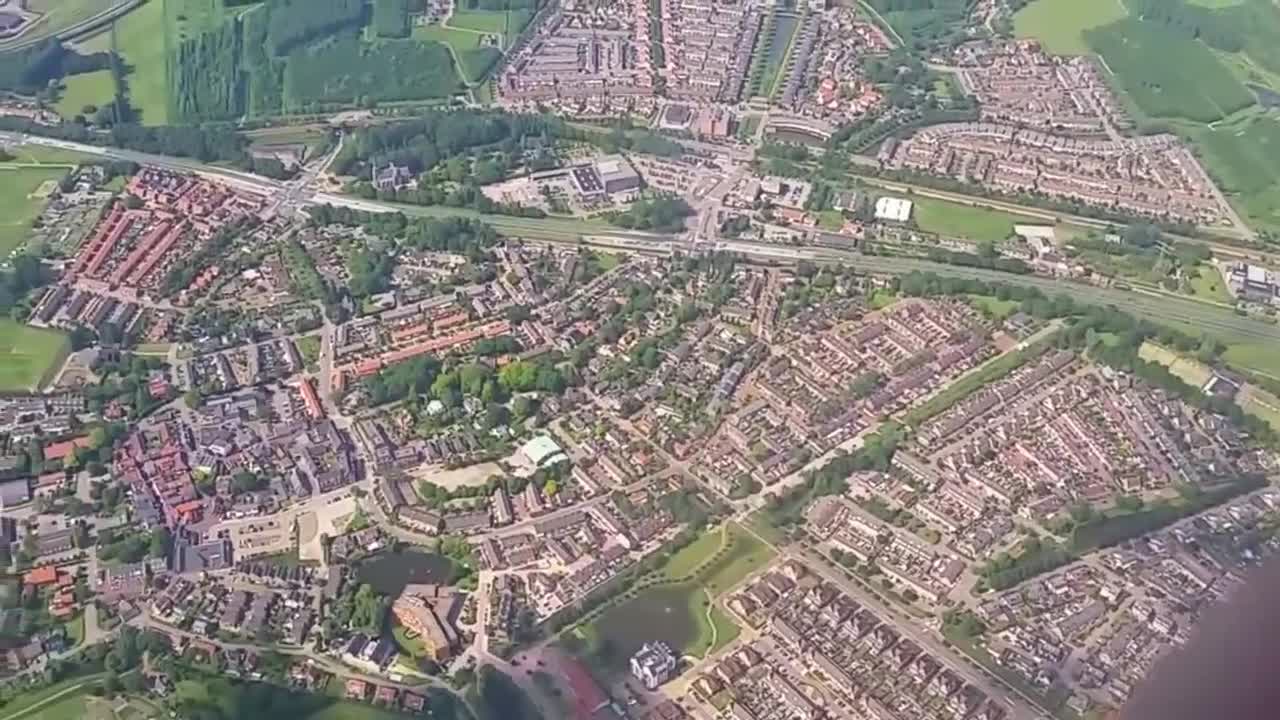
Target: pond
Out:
[389,572]
[673,613]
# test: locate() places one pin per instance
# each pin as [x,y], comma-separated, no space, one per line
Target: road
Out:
[1218,321]
[325,662]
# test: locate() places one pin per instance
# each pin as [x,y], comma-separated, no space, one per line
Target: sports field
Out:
[1059,25]
[18,207]
[94,88]
[957,220]
[28,355]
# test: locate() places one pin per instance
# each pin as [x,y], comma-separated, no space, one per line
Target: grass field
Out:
[830,219]
[309,349]
[27,354]
[142,39]
[691,557]
[881,299]
[42,155]
[59,15]
[1208,284]
[1059,25]
[1192,372]
[746,554]
[994,306]
[94,88]
[17,208]
[1261,404]
[508,24]
[473,58]
[957,220]
[1258,357]
[1197,87]
[1240,156]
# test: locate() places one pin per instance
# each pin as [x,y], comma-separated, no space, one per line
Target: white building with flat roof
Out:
[893,209]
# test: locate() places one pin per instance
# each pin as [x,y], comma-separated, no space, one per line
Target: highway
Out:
[1218,321]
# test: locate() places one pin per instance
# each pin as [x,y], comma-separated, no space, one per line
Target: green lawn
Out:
[496,22]
[1208,284]
[956,220]
[18,209]
[745,555]
[830,219]
[473,58]
[413,646]
[881,299]
[28,355]
[44,155]
[690,557]
[309,349]
[31,705]
[726,630]
[1190,371]
[1059,25]
[994,306]
[1261,358]
[142,38]
[1263,405]
[94,88]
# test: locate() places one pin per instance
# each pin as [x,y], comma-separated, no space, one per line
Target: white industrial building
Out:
[893,209]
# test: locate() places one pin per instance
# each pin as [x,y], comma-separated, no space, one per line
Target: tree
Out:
[192,399]
[161,542]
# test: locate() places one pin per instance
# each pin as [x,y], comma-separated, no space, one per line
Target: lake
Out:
[389,572]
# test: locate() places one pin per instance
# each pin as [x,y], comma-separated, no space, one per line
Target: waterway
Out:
[389,572]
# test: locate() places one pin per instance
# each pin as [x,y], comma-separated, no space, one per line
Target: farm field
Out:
[17,206]
[474,60]
[59,15]
[957,220]
[93,88]
[1059,25]
[507,23]
[1239,156]
[142,38]
[1197,87]
[28,355]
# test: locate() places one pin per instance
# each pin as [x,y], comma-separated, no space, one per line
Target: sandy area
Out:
[470,476]
[329,518]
